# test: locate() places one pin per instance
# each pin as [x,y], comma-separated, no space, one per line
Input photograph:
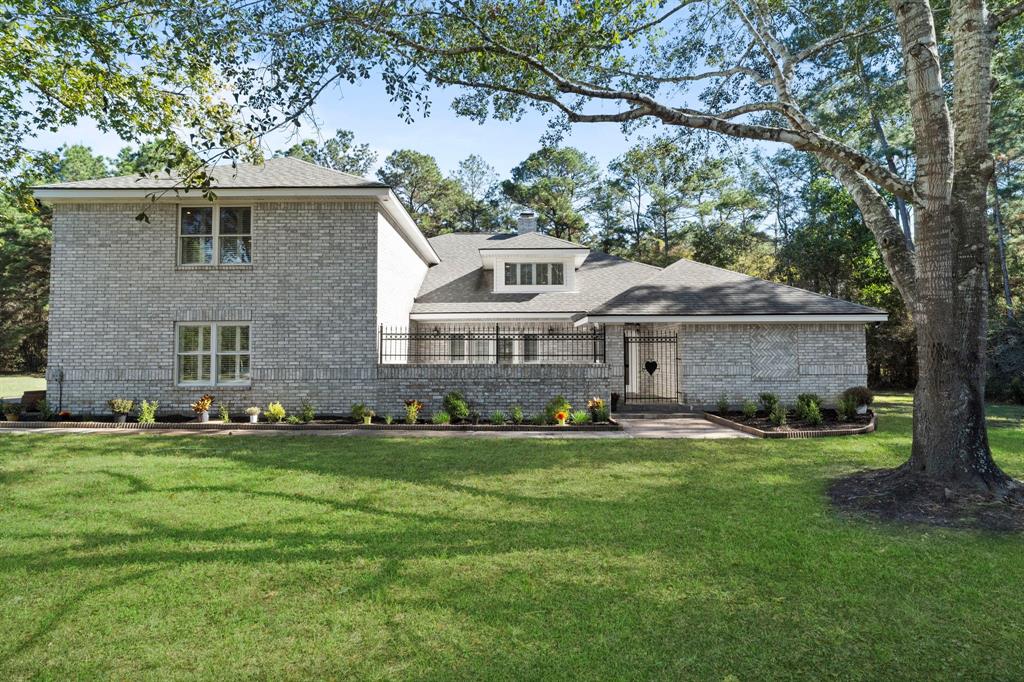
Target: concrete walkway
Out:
[659,426]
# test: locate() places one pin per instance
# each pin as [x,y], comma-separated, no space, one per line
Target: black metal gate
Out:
[651,367]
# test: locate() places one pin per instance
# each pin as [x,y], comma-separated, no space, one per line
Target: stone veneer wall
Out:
[116,294]
[489,387]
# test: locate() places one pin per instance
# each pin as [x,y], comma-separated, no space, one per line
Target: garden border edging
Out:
[334,426]
[816,433]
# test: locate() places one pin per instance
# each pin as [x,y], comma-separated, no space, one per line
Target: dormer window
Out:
[534,274]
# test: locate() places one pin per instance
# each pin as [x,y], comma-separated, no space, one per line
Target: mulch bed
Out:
[900,496]
[759,425]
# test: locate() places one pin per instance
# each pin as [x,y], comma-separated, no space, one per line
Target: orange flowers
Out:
[561,416]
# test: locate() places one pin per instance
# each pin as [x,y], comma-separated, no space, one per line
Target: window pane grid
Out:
[223,237]
[533,274]
[195,353]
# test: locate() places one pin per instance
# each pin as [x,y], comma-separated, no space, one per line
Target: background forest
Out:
[776,216]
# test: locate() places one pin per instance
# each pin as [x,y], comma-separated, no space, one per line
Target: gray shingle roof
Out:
[280,172]
[690,288]
[460,285]
[532,240]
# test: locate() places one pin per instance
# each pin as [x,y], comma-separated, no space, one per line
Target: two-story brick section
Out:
[303,283]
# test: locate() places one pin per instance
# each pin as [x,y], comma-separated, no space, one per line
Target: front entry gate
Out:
[651,367]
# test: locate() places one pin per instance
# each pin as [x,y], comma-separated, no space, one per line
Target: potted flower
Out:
[121,407]
[254,414]
[861,395]
[561,416]
[202,407]
[12,411]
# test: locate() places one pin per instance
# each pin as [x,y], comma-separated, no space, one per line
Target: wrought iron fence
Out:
[491,344]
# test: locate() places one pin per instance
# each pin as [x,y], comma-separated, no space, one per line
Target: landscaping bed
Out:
[761,426]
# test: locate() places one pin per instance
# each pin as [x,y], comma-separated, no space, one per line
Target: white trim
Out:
[491,259]
[568,276]
[215,208]
[213,354]
[793,319]
[493,316]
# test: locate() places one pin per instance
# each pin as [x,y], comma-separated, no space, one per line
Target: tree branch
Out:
[1008,14]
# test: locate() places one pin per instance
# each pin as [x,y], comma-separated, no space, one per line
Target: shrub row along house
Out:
[303,283]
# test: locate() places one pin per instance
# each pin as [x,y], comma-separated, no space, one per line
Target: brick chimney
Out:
[527,222]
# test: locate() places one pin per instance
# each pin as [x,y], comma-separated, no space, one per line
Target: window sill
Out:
[219,387]
[247,267]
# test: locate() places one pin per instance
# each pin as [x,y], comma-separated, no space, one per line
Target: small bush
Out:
[847,408]
[359,411]
[749,409]
[474,417]
[274,413]
[812,414]
[12,408]
[804,401]
[539,419]
[579,417]
[441,417]
[203,404]
[768,401]
[224,412]
[44,409]
[456,406]
[147,412]
[252,411]
[777,416]
[121,405]
[412,410]
[515,413]
[556,404]
[599,411]
[389,419]
[723,404]
[307,412]
[497,418]
[293,419]
[862,394]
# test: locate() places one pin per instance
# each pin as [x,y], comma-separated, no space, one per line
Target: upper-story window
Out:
[534,274]
[215,235]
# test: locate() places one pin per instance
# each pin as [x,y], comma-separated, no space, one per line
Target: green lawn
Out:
[145,556]
[12,386]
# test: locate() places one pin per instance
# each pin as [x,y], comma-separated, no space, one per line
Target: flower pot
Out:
[367,420]
[204,416]
[253,418]
[11,417]
[120,418]
[862,409]
[561,422]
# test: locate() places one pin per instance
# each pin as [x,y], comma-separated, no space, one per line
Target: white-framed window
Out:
[214,235]
[470,348]
[212,353]
[531,348]
[534,274]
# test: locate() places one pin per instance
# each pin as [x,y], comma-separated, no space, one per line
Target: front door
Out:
[651,362]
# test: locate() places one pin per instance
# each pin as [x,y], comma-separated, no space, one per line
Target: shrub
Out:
[804,401]
[307,412]
[777,416]
[147,411]
[498,418]
[768,401]
[749,409]
[441,417]
[515,413]
[456,406]
[474,417]
[293,419]
[121,405]
[44,409]
[861,394]
[812,414]
[274,413]
[12,408]
[224,412]
[579,417]
[556,404]
[359,411]
[252,411]
[412,410]
[539,419]
[203,404]
[389,419]
[723,404]
[847,408]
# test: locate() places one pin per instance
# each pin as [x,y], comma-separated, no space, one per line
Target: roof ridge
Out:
[318,166]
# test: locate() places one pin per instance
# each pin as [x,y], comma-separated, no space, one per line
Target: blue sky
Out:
[365,109]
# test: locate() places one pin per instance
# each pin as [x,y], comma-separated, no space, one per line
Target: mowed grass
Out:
[13,385]
[158,557]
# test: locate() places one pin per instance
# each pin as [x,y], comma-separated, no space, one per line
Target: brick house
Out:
[303,283]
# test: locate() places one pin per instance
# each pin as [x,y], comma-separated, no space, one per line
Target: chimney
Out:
[527,222]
